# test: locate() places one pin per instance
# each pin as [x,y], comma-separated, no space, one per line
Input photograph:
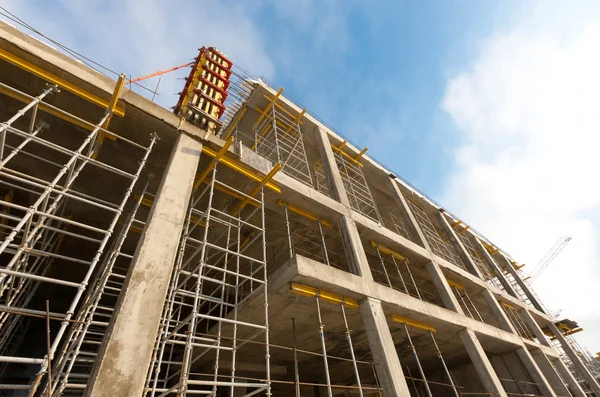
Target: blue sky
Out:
[490,107]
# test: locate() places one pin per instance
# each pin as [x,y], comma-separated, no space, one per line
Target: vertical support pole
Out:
[323,245]
[579,365]
[323,348]
[349,339]
[389,369]
[296,369]
[289,231]
[439,354]
[387,277]
[535,372]
[416,356]
[482,364]
[123,361]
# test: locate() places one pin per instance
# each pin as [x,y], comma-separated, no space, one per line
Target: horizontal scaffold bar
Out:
[49,77]
[413,323]
[306,290]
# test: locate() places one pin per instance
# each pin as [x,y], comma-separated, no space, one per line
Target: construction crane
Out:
[548,258]
[159,73]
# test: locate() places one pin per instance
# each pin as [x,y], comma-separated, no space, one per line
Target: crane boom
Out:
[549,257]
[159,73]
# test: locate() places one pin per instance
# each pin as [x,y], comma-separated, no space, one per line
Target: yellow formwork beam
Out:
[236,166]
[362,152]
[304,213]
[305,290]
[110,110]
[200,178]
[255,191]
[455,284]
[413,323]
[346,155]
[264,112]
[508,306]
[277,105]
[388,251]
[65,85]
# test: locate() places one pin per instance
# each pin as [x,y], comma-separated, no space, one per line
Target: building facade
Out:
[239,247]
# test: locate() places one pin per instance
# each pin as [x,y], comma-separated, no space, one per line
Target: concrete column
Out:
[567,377]
[535,372]
[532,298]
[401,202]
[482,364]
[497,270]
[438,278]
[354,248]
[472,267]
[534,326]
[389,369]
[499,313]
[579,365]
[550,374]
[333,174]
[124,359]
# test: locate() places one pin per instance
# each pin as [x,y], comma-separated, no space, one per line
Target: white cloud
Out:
[139,37]
[528,111]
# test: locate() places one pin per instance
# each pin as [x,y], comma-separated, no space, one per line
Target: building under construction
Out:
[238,246]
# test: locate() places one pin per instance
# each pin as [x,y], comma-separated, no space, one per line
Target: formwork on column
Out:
[356,186]
[220,268]
[74,362]
[440,247]
[67,196]
[278,137]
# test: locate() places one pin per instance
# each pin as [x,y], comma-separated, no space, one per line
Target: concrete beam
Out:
[576,360]
[389,369]
[568,378]
[550,374]
[534,326]
[440,282]
[532,298]
[472,267]
[403,205]
[331,170]
[535,372]
[354,248]
[123,361]
[482,364]
[497,271]
[499,313]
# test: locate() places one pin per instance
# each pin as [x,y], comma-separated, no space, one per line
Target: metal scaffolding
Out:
[517,321]
[221,266]
[442,248]
[321,181]
[484,268]
[278,137]
[73,365]
[52,206]
[312,242]
[356,185]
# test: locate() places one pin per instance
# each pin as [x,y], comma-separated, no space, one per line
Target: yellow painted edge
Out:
[455,284]
[413,323]
[43,74]
[305,290]
[388,251]
[304,213]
